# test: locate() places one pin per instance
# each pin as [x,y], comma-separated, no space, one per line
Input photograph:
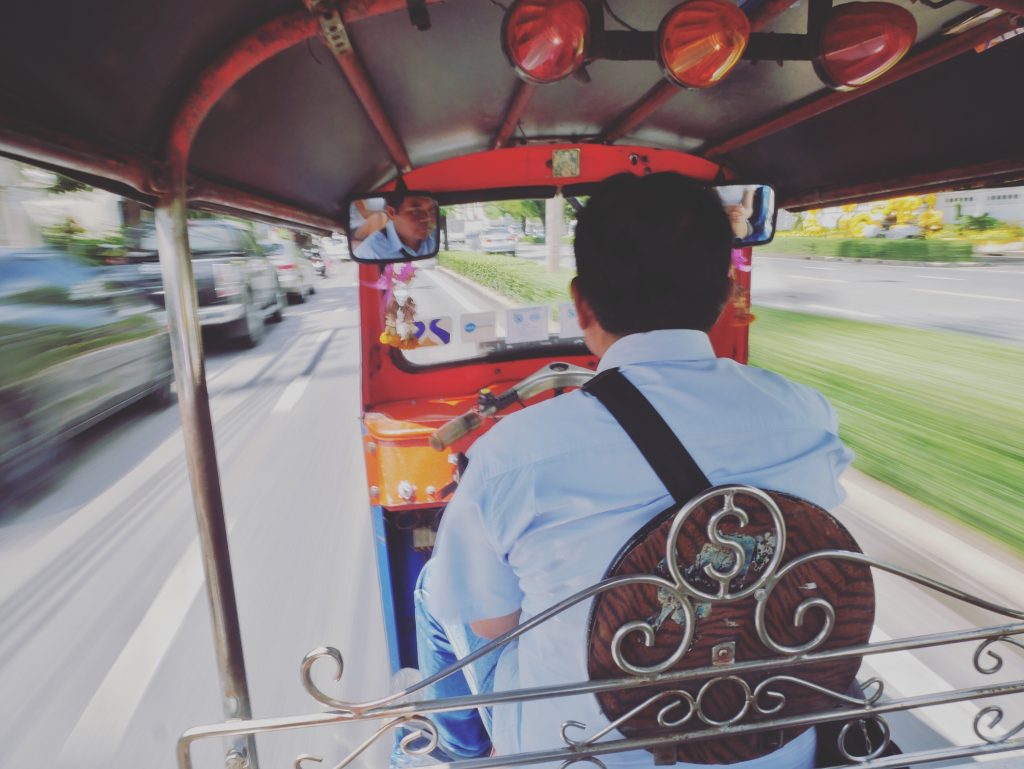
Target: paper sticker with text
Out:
[527,324]
[568,325]
[479,326]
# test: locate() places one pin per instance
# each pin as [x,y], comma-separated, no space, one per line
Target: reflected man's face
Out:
[414,220]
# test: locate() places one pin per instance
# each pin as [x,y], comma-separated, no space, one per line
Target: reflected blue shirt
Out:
[385,244]
[554,491]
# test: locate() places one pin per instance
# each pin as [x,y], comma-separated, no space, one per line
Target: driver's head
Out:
[653,252]
[414,216]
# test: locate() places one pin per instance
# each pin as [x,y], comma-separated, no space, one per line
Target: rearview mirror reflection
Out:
[751,209]
[393,227]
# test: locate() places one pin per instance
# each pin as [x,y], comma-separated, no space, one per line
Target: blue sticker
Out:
[470,327]
[518,317]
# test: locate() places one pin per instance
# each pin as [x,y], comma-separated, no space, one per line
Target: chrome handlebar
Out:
[550,377]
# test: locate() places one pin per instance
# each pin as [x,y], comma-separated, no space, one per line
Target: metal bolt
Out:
[406,491]
[431,491]
[237,759]
[371,448]
[374,491]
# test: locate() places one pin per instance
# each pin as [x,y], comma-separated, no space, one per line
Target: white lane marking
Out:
[972,296]
[936,277]
[297,386]
[105,720]
[811,267]
[291,395]
[840,311]
[909,676]
[811,277]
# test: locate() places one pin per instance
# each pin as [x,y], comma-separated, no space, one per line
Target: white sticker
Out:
[527,324]
[436,331]
[479,326]
[568,325]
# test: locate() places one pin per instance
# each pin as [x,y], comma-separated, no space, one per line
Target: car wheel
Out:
[312,289]
[253,330]
[161,398]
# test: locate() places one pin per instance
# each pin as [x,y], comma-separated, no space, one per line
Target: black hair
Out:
[653,252]
[394,199]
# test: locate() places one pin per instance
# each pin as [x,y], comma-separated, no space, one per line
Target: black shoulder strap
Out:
[664,452]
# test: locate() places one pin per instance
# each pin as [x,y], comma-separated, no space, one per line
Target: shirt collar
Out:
[671,344]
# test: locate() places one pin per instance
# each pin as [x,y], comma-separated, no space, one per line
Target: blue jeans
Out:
[462,733]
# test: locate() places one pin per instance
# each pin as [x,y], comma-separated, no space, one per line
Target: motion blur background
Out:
[906,314]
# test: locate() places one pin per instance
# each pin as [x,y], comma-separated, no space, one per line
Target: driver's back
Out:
[553,492]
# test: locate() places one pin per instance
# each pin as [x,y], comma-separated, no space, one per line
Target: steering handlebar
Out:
[550,377]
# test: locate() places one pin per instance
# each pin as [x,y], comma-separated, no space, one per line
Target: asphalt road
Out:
[987,300]
[105,641]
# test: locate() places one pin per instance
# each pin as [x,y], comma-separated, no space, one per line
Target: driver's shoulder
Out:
[540,431]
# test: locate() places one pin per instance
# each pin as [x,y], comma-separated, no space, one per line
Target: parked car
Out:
[236,284]
[75,347]
[295,271]
[493,240]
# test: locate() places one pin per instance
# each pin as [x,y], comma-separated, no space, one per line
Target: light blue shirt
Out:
[554,491]
[385,244]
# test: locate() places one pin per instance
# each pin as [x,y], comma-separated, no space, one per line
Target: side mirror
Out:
[393,227]
[752,211]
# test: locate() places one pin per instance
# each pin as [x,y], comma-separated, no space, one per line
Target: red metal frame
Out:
[384,381]
[247,54]
[659,95]
[530,166]
[39,145]
[934,55]
[517,105]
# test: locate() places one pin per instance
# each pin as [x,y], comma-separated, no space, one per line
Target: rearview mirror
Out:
[751,209]
[393,227]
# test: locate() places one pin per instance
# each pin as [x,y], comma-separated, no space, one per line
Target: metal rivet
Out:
[237,759]
[406,491]
[374,491]
[723,654]
[371,448]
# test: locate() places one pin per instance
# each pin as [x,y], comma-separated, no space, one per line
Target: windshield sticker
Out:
[527,324]
[568,325]
[432,332]
[479,326]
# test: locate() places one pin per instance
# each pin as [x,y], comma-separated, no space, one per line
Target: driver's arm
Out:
[496,626]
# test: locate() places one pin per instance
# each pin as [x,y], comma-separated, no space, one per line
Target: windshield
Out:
[500,283]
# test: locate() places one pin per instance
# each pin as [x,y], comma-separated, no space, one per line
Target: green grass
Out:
[871,248]
[935,414]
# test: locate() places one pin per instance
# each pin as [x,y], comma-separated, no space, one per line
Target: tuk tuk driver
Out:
[553,492]
[411,229]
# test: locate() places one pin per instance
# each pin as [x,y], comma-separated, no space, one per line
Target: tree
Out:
[66,184]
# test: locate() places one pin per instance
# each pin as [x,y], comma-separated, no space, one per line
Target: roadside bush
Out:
[872,248]
[521,280]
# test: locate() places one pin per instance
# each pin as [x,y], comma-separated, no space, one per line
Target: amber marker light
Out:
[546,40]
[861,41]
[700,41]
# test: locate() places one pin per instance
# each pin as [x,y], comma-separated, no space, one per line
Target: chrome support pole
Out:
[197,428]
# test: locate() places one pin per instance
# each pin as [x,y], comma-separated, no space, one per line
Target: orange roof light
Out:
[700,41]
[861,41]
[546,40]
